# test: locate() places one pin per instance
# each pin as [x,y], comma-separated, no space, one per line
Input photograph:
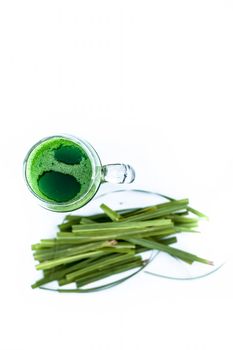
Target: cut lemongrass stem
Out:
[68,240]
[75,241]
[52,274]
[73,217]
[126,245]
[183,229]
[104,227]
[41,250]
[119,251]
[44,243]
[168,241]
[115,236]
[102,264]
[97,217]
[86,220]
[112,214]
[170,250]
[110,231]
[159,212]
[75,266]
[56,262]
[100,272]
[153,208]
[182,219]
[192,210]
[65,226]
[153,233]
[75,250]
[198,213]
[119,269]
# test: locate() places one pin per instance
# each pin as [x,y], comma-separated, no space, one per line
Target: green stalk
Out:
[115,226]
[74,250]
[198,213]
[86,220]
[53,275]
[182,219]
[97,217]
[156,212]
[113,215]
[162,233]
[104,274]
[123,245]
[46,250]
[170,250]
[63,270]
[44,243]
[120,251]
[85,248]
[118,235]
[69,240]
[60,261]
[65,226]
[191,210]
[185,229]
[110,261]
[168,241]
[73,217]
[100,272]
[112,234]
[91,262]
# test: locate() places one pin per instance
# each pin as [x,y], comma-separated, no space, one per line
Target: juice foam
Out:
[59,170]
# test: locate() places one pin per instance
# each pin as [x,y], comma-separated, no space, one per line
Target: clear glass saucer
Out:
[204,244]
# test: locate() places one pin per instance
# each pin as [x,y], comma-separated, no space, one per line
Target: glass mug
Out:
[64,172]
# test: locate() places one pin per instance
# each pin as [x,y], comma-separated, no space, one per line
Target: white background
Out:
[145,82]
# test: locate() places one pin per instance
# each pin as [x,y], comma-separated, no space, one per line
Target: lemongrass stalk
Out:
[68,240]
[112,214]
[73,217]
[53,274]
[108,262]
[170,208]
[120,251]
[99,273]
[74,250]
[183,219]
[114,236]
[110,231]
[170,250]
[104,274]
[86,220]
[44,244]
[198,213]
[105,227]
[161,233]
[65,226]
[179,228]
[60,261]
[168,241]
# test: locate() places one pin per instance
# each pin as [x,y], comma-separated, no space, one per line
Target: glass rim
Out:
[95,162]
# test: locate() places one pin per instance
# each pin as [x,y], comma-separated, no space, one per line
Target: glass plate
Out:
[205,244]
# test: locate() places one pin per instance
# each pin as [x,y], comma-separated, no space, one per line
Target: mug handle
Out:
[118,173]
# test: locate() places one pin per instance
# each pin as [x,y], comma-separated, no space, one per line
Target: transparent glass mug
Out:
[64,172]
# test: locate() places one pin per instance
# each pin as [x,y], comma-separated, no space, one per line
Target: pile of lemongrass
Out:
[88,249]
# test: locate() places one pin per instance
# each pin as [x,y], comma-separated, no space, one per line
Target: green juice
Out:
[59,170]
